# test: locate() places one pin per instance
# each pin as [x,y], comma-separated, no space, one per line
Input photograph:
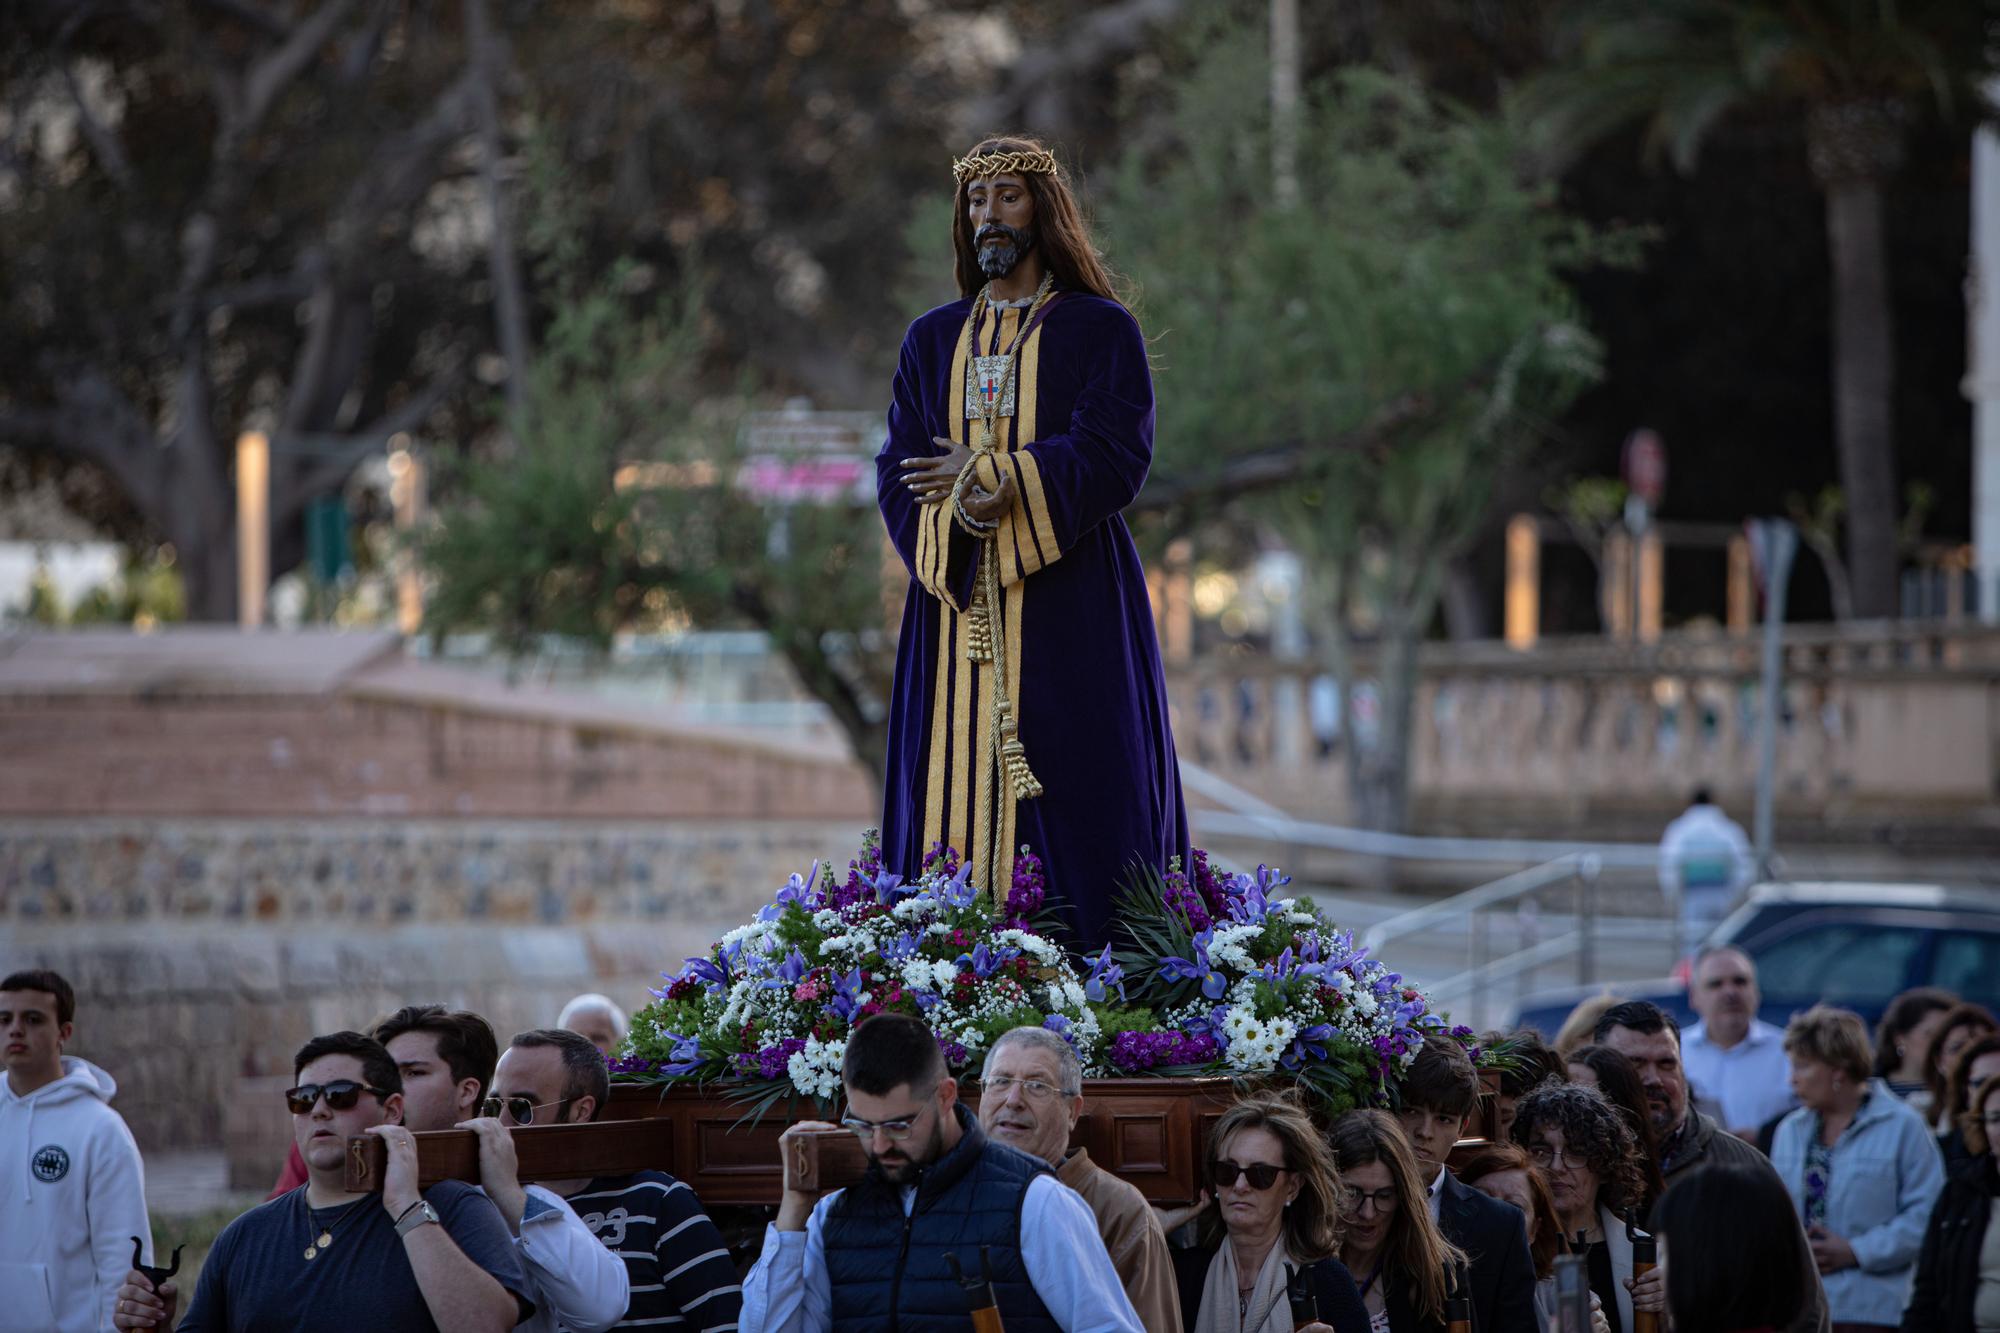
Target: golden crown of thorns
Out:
[994,164]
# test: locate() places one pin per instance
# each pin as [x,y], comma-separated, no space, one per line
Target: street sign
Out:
[1645,466]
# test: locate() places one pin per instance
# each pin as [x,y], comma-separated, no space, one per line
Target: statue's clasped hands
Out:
[930,481]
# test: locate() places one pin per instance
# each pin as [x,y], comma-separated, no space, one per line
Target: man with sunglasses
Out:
[1030,1095]
[445,1058]
[873,1256]
[319,1258]
[651,1224]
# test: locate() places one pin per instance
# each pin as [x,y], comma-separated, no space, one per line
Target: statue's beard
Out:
[1000,247]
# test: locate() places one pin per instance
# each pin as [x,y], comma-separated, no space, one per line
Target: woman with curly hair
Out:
[1503,1171]
[1277,1207]
[1407,1268]
[1612,1074]
[1587,1153]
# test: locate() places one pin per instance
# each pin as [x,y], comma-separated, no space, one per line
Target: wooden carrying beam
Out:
[821,1160]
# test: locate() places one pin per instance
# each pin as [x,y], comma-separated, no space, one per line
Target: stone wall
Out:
[205,952]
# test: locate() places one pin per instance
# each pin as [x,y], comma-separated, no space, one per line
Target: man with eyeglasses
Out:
[445,1058]
[677,1266]
[874,1256]
[1030,1095]
[322,1260]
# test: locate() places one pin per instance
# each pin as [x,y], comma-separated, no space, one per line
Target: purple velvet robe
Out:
[1084,664]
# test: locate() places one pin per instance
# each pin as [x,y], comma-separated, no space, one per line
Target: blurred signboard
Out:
[816,457]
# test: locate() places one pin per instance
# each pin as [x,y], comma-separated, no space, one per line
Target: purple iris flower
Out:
[685,1057]
[1310,1042]
[901,949]
[1213,984]
[1105,977]
[958,891]
[790,972]
[847,992]
[889,887]
[706,972]
[984,960]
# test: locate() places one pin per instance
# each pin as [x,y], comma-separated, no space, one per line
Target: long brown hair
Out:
[1965,1014]
[1312,1223]
[1415,1251]
[1546,1225]
[1060,228]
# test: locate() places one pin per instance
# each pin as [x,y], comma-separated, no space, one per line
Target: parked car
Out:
[1854,945]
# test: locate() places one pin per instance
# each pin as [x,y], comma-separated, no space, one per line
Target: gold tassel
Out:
[979,631]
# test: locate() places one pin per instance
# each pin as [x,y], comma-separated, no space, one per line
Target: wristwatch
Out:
[418,1214]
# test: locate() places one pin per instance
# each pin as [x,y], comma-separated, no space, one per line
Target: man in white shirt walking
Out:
[874,1255]
[1705,861]
[1734,1059]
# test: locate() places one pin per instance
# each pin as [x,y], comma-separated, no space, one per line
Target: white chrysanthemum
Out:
[1365,1003]
[1042,950]
[815,1070]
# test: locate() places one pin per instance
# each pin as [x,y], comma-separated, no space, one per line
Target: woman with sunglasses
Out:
[1582,1146]
[1406,1267]
[1276,1209]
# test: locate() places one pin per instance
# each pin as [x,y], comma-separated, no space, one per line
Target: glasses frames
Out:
[1353,1199]
[1261,1175]
[1034,1089]
[341,1095]
[895,1130]
[522,1109]
[1555,1158]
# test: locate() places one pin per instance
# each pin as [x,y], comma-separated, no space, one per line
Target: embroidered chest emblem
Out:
[50,1164]
[985,377]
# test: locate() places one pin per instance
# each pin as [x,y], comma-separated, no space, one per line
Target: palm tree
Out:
[1857,71]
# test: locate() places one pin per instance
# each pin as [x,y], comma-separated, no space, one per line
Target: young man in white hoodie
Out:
[72,1187]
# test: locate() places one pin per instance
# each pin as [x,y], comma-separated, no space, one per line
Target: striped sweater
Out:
[682,1277]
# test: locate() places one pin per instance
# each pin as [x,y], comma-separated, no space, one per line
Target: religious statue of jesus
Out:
[1029,707]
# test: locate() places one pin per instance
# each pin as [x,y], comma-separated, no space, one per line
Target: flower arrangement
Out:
[1252,982]
[1215,974]
[769,1008]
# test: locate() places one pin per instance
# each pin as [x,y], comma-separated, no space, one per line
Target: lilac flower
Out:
[954,1054]
[1025,894]
[771,1061]
[1132,1052]
[633,1064]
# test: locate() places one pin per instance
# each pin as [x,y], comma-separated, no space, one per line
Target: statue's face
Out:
[1002,214]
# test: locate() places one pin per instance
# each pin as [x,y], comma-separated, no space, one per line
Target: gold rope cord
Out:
[1009,758]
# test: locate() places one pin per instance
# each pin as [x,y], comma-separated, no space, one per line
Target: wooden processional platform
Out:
[1152,1132]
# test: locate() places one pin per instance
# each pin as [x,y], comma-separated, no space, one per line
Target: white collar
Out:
[1436,1184]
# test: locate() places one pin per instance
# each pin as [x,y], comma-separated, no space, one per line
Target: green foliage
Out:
[1677,67]
[619,508]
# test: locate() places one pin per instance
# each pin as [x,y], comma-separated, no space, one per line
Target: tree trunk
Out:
[203,531]
[1854,148]
[1864,391]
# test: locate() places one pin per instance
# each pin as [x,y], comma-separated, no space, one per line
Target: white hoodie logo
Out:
[50,1163]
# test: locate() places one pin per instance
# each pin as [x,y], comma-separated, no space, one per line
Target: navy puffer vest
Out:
[888,1271]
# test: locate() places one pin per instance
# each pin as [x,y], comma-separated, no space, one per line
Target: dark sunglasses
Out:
[341,1094]
[522,1108]
[1262,1175]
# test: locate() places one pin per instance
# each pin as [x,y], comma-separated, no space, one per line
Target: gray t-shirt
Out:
[257,1277]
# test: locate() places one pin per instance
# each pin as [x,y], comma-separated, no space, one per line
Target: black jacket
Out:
[1948,1265]
[1339,1301]
[1494,1237]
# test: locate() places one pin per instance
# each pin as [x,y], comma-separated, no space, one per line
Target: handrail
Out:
[1585,865]
[1514,964]
[1408,846]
